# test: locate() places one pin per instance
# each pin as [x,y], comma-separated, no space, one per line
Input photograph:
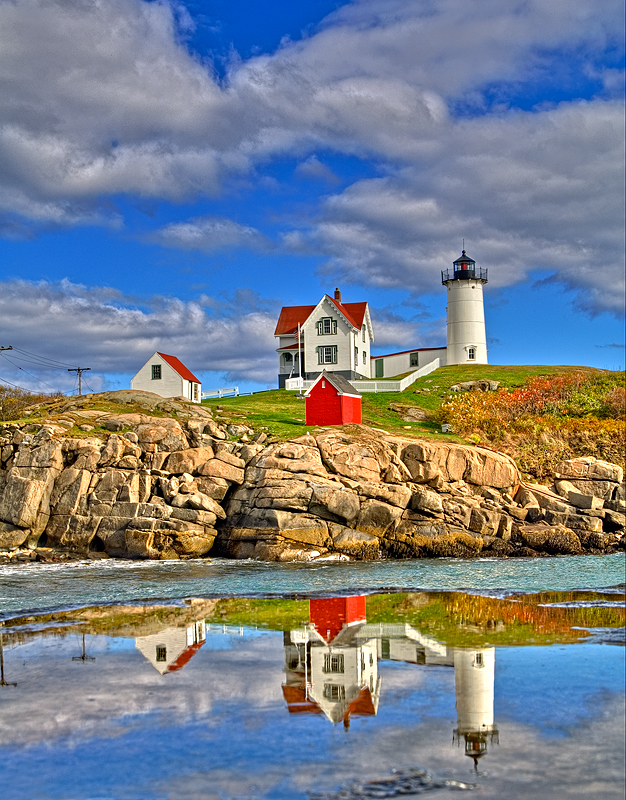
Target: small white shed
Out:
[167,376]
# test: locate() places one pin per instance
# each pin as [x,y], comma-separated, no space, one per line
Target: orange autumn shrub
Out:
[545,420]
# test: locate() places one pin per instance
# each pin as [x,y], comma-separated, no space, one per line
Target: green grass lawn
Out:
[281,414]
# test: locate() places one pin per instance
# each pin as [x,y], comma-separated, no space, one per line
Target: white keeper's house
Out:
[337,337]
[169,377]
[334,336]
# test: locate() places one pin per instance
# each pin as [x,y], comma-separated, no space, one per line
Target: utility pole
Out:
[80,371]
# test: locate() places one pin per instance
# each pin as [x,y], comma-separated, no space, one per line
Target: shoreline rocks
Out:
[177,487]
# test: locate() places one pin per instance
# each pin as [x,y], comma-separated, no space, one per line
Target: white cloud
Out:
[314,169]
[540,191]
[103,98]
[113,334]
[209,233]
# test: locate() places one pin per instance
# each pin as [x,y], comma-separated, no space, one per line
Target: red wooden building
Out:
[332,400]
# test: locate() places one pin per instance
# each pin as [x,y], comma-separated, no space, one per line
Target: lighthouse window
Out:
[478,660]
[471,353]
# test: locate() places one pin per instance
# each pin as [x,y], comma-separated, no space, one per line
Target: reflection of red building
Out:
[330,614]
[329,669]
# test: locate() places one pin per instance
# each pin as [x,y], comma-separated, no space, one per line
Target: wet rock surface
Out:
[176,487]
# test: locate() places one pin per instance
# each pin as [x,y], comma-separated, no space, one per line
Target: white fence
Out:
[299,384]
[232,390]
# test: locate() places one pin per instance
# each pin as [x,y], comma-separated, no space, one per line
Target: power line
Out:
[37,363]
[30,373]
[14,385]
[42,358]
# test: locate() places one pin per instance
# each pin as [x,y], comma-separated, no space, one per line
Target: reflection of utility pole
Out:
[80,371]
[84,657]
[2,681]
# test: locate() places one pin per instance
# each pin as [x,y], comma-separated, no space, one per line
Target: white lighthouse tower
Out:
[474,672]
[467,341]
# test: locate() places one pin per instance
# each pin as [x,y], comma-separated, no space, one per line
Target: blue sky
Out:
[172,173]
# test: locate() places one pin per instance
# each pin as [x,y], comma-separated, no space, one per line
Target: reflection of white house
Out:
[402,642]
[167,376]
[339,680]
[170,649]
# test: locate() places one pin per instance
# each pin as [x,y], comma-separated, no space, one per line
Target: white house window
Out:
[415,359]
[326,326]
[287,356]
[327,355]
[356,356]
[471,354]
[364,358]
[156,372]
[161,652]
[334,692]
[195,392]
[333,662]
[363,333]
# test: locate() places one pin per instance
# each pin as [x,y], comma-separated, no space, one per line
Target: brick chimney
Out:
[338,295]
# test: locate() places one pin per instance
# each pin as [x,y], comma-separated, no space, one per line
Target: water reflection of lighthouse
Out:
[331,667]
[474,674]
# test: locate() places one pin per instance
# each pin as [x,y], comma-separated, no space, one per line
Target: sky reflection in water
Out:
[273,699]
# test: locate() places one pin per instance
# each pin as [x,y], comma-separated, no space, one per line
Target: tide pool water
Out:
[331,698]
[27,587]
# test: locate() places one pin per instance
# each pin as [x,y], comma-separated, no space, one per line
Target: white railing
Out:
[234,390]
[299,384]
[396,386]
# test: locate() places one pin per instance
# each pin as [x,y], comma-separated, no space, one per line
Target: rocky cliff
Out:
[174,483]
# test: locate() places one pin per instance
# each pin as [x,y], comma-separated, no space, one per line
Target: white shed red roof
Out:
[178,365]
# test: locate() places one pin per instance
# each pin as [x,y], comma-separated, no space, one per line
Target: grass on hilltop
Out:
[281,413]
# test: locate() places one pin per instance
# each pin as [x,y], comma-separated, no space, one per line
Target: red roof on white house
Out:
[178,365]
[187,654]
[290,316]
